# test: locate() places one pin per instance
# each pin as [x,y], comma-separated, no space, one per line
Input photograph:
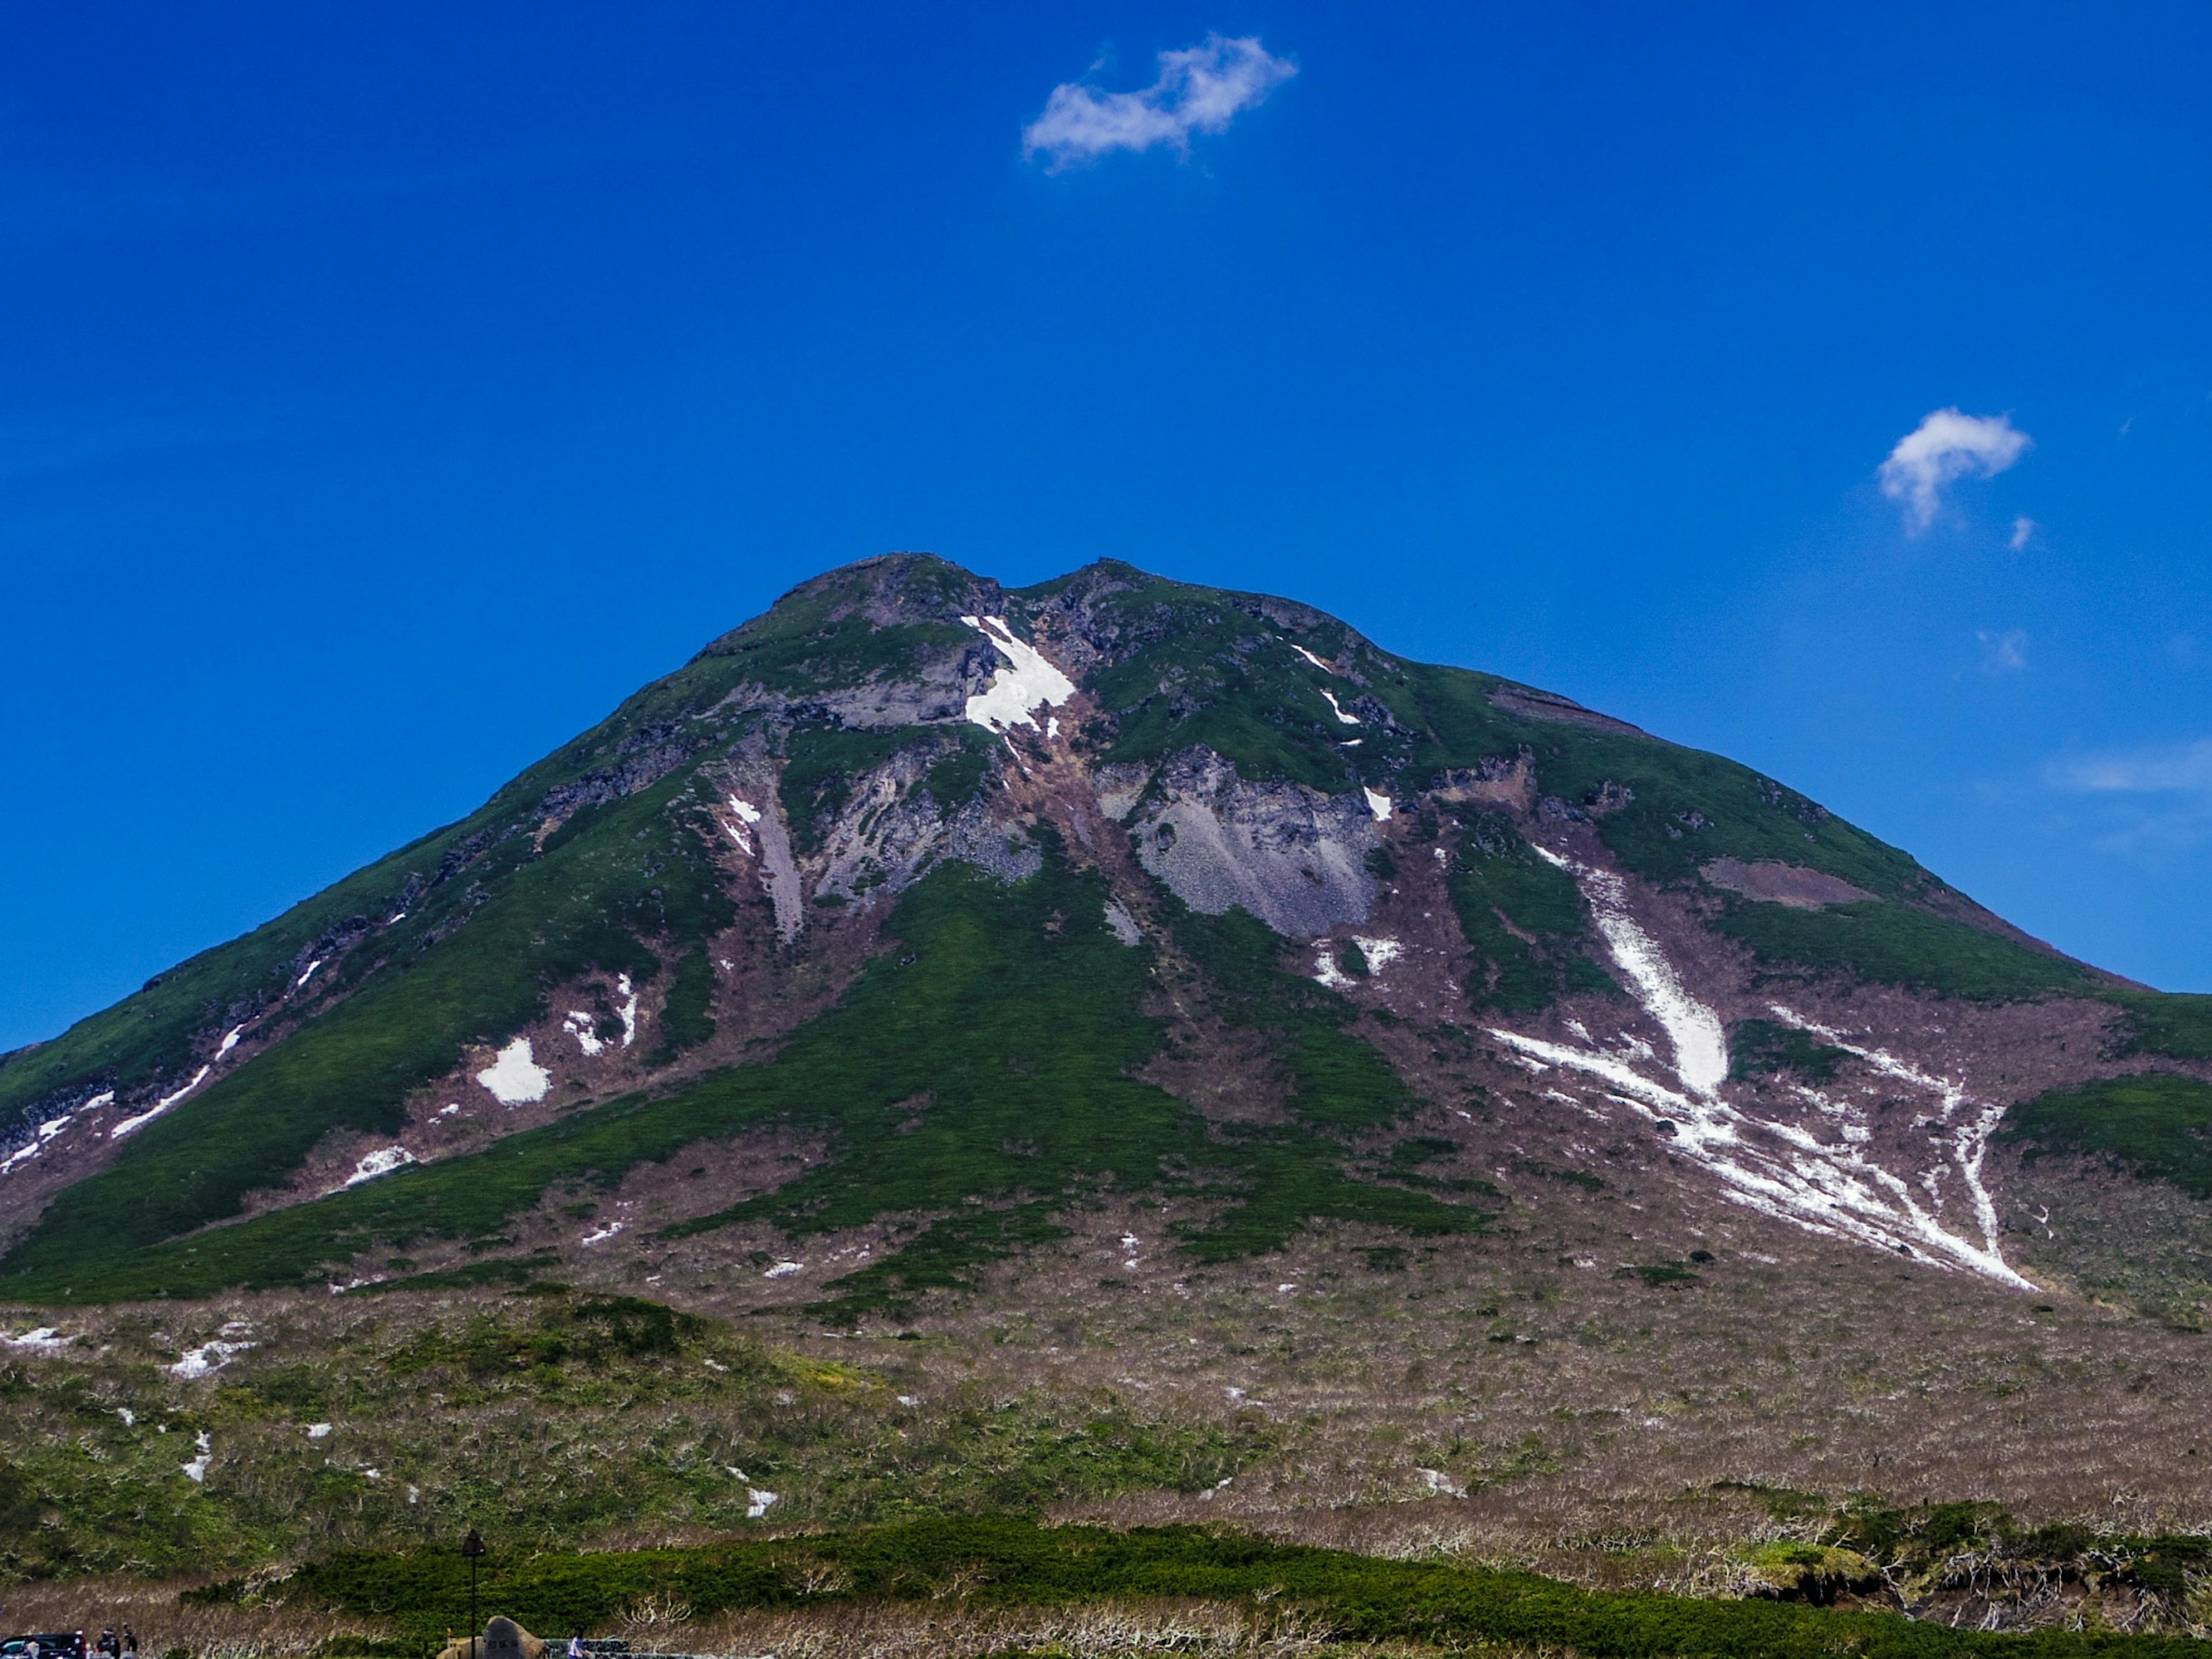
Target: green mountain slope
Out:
[996,985]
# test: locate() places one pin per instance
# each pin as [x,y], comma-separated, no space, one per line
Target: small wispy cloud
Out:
[2154,800]
[2179,769]
[2023,533]
[1945,446]
[2005,652]
[1201,88]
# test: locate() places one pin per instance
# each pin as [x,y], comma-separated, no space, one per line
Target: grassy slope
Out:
[581,905]
[2157,1125]
[1004,1027]
[1002,1562]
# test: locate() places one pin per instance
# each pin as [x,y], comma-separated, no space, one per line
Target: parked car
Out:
[51,1644]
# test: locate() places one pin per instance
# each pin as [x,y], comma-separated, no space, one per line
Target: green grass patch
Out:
[1007,1563]
[1901,944]
[1503,893]
[2153,1124]
[1761,1047]
[2178,1024]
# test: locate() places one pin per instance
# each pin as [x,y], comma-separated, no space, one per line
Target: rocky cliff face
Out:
[1104,892]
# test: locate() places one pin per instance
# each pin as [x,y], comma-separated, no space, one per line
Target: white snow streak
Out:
[516,1078]
[784,1270]
[195,1471]
[1830,1187]
[582,1026]
[159,1106]
[381,1162]
[604,1233]
[628,1009]
[1333,709]
[1378,804]
[309,974]
[1312,658]
[45,1337]
[1032,683]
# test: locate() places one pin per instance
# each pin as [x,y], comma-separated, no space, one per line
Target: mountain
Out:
[919,916]
[1118,1051]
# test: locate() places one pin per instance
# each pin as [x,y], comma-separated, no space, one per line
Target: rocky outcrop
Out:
[1292,856]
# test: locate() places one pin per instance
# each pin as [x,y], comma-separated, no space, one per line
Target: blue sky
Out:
[388,392]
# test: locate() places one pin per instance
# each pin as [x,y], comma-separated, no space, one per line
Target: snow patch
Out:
[1336,710]
[784,1270]
[1442,1484]
[516,1078]
[748,815]
[319,1431]
[603,1233]
[1325,967]
[377,1163]
[1122,923]
[130,1417]
[44,1337]
[582,1027]
[1378,804]
[1380,952]
[208,1357]
[229,1041]
[195,1471]
[1032,683]
[758,1502]
[309,974]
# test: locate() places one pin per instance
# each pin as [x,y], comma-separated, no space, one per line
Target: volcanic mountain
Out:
[920,928]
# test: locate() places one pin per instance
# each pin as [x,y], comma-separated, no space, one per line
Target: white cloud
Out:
[1944,447]
[2181,768]
[1200,89]
[2155,801]
[2023,532]
[2005,652]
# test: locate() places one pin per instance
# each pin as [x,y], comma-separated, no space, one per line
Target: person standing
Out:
[576,1643]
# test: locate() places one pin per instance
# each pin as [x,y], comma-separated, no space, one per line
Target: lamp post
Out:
[473,1551]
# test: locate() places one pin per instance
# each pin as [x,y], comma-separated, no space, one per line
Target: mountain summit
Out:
[920,926]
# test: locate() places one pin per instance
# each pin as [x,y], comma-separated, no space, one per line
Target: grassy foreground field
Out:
[1003,1585]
